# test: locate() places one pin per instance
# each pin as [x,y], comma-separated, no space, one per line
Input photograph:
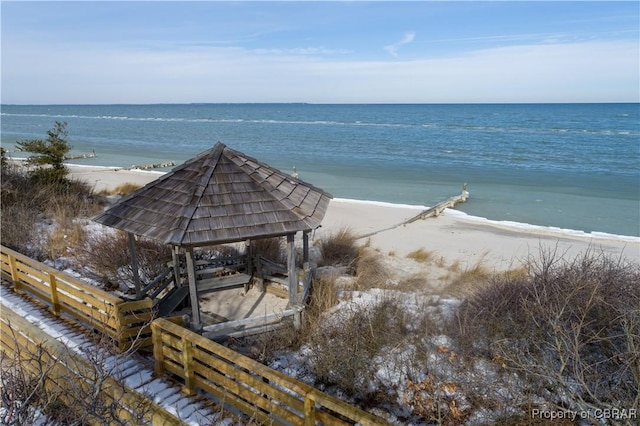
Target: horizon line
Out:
[324,103]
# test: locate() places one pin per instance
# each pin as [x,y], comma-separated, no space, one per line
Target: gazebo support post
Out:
[249,257]
[196,323]
[305,251]
[291,266]
[247,286]
[134,266]
[175,256]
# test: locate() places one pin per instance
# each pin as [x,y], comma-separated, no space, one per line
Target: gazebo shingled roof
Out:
[217,197]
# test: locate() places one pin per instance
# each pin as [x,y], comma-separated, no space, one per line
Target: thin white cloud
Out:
[570,72]
[320,51]
[392,49]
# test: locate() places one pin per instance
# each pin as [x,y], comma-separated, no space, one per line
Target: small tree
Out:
[50,153]
[3,159]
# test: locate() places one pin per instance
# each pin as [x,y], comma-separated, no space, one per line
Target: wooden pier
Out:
[434,211]
[437,210]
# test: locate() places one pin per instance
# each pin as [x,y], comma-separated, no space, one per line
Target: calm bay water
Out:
[571,166]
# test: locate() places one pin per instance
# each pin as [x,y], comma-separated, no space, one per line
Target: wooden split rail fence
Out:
[124,321]
[68,376]
[258,391]
[254,389]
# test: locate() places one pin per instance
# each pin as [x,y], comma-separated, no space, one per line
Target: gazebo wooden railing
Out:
[159,284]
[169,289]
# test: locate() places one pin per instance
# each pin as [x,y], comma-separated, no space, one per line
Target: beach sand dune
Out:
[108,178]
[463,239]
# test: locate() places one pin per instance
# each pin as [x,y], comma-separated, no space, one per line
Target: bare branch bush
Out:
[107,256]
[23,394]
[343,347]
[571,330]
[49,381]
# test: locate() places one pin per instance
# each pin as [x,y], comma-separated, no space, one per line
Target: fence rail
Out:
[254,389]
[69,376]
[126,322]
[258,391]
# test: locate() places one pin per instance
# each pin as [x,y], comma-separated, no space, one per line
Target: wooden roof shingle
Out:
[219,196]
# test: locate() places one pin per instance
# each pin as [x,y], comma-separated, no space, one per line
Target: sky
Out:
[319,52]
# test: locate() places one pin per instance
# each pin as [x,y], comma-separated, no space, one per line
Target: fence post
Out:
[297,319]
[14,273]
[53,285]
[187,363]
[309,409]
[158,356]
[119,332]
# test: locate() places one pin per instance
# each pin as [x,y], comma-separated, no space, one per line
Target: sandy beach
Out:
[453,236]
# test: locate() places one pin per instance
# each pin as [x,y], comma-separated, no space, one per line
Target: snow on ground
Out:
[414,379]
[133,370]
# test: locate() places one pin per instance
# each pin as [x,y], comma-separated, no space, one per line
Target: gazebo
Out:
[220,196]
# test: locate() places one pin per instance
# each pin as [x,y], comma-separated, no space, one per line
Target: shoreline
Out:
[454,236]
[95,176]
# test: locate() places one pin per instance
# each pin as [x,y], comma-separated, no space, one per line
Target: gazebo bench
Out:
[219,283]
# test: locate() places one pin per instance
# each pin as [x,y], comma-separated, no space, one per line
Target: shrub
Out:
[216,253]
[123,189]
[339,248]
[324,296]
[18,224]
[344,346]
[421,255]
[4,162]
[48,383]
[264,347]
[28,205]
[49,154]
[107,255]
[572,329]
[371,271]
[269,248]
[435,401]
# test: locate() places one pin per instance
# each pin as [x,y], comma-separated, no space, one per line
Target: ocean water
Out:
[568,166]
